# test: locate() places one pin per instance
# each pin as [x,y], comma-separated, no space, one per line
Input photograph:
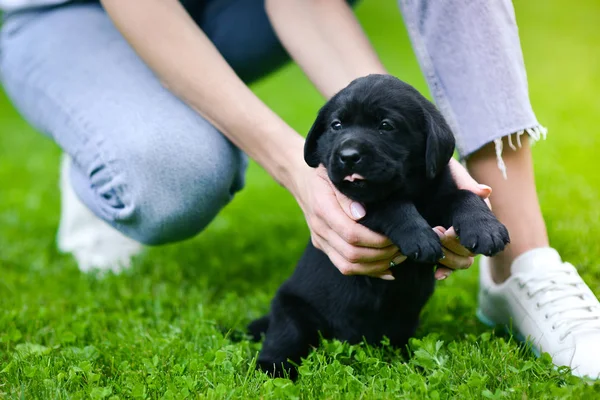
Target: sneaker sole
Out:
[484,319]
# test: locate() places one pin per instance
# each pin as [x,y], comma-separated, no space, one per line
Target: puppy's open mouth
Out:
[354,178]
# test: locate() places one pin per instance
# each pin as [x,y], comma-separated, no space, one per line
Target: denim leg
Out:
[242,32]
[471,56]
[143,160]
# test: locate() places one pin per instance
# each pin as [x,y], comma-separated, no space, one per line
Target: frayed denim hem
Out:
[535,133]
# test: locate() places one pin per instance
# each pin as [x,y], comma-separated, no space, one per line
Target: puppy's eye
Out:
[385,126]
[336,125]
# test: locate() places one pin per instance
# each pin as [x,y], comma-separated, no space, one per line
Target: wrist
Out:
[283,158]
[292,167]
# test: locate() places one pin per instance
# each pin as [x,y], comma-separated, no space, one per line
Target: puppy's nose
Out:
[349,156]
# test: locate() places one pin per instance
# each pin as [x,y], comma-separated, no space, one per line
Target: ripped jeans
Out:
[156,170]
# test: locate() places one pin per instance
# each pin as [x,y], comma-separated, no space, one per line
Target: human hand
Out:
[332,220]
[356,250]
[457,256]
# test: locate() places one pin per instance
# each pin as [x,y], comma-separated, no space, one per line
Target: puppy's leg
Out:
[402,223]
[289,337]
[400,335]
[258,327]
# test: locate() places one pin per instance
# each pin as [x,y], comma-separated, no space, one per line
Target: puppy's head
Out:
[378,136]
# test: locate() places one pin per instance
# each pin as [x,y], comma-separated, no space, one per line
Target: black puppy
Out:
[387,146]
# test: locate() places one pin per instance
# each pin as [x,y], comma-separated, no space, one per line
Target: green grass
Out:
[153,332]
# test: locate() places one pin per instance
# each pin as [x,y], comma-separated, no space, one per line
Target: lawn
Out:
[154,331]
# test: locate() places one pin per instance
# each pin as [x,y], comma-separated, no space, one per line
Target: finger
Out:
[398,258]
[317,240]
[358,254]
[465,181]
[357,235]
[353,209]
[377,269]
[385,275]
[340,222]
[454,261]
[461,176]
[451,242]
[488,203]
[442,273]
[349,230]
[483,191]
[351,253]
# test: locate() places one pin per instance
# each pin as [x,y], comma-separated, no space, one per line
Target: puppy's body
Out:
[349,308]
[385,145]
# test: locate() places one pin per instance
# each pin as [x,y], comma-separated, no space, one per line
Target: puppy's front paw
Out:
[420,244]
[482,233]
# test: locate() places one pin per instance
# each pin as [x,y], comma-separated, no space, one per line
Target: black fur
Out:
[407,190]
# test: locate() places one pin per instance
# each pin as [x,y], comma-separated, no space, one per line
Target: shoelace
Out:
[565,299]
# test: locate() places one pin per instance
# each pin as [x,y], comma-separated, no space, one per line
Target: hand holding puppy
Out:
[456,255]
[356,250]
[331,217]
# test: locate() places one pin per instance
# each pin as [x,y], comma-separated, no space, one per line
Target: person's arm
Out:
[326,40]
[185,60]
[187,63]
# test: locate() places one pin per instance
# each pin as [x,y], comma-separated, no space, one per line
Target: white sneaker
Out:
[94,243]
[546,301]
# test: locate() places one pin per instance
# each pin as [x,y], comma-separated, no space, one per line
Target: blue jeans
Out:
[156,170]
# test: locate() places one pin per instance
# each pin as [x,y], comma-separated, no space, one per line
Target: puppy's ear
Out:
[440,142]
[311,154]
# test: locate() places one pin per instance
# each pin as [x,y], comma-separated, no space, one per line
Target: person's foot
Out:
[93,243]
[546,301]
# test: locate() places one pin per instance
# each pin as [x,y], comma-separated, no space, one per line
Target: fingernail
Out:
[444,276]
[357,210]
[484,187]
[388,277]
[399,259]
[438,232]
